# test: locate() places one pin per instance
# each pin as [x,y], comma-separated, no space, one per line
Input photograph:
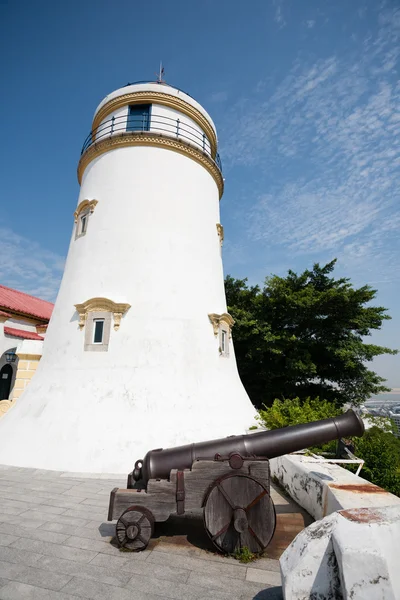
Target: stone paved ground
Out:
[56,544]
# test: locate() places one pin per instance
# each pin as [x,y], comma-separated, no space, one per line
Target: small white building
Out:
[23,318]
[139,350]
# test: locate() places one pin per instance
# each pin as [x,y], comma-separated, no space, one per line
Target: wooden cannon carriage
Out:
[229,478]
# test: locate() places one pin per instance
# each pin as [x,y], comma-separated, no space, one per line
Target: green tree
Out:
[303,336]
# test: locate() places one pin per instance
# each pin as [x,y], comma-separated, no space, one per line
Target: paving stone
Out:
[49,509]
[235,587]
[33,576]
[49,549]
[90,544]
[120,560]
[6,539]
[263,576]
[73,493]
[81,531]
[34,534]
[271,593]
[102,503]
[87,513]
[23,557]
[39,514]
[168,548]
[9,570]
[22,523]
[66,520]
[84,570]
[3,582]
[12,494]
[97,590]
[175,590]
[196,564]
[268,564]
[12,503]
[11,510]
[21,591]
[164,572]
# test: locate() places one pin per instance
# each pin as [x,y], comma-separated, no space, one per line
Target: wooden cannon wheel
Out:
[239,512]
[135,528]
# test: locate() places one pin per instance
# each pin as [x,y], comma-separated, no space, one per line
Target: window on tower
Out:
[83,224]
[97,331]
[138,117]
[82,216]
[224,341]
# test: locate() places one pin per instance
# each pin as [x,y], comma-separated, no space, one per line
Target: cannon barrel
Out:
[157,464]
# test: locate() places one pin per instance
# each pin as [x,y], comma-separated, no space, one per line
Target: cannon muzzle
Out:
[157,464]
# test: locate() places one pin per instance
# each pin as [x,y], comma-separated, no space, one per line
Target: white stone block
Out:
[322,488]
[349,554]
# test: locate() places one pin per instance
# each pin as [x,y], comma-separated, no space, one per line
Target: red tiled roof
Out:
[4,314]
[24,303]
[21,333]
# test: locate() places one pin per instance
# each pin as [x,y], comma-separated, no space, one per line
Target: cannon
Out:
[228,478]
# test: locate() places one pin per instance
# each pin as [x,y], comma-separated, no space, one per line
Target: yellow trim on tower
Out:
[158,98]
[150,139]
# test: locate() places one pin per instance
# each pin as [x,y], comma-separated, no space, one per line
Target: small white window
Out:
[83,224]
[224,342]
[98,331]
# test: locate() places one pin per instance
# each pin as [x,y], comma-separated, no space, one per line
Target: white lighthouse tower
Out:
[138,353]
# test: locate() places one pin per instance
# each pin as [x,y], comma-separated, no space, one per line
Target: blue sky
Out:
[305,97]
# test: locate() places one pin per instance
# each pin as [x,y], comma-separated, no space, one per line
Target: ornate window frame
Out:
[100,308]
[222,324]
[84,208]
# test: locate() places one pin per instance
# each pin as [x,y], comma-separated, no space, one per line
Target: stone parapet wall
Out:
[352,549]
[322,488]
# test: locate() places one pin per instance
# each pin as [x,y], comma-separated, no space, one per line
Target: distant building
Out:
[396,419]
[23,324]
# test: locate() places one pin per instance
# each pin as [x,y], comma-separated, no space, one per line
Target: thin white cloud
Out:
[326,146]
[219,96]
[278,14]
[27,266]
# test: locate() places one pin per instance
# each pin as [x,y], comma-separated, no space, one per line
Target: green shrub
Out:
[287,412]
[293,412]
[244,555]
[381,452]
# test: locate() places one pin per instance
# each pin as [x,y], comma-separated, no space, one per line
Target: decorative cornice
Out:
[85,205]
[158,98]
[101,305]
[150,139]
[220,231]
[24,356]
[217,319]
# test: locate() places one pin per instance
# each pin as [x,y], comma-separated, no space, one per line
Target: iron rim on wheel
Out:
[135,528]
